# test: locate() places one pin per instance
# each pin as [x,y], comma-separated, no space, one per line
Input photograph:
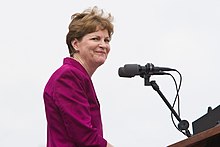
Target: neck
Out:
[90,70]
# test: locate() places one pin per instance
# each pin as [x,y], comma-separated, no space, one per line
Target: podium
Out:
[208,138]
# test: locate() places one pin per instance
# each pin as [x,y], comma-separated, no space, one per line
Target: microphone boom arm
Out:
[183,124]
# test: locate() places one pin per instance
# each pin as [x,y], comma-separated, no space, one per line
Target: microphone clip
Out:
[148,71]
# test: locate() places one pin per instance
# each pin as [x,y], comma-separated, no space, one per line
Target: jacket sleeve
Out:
[70,97]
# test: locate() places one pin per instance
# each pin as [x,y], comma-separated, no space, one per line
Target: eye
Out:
[107,40]
[95,38]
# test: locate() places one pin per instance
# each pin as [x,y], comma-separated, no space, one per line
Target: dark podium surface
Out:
[207,121]
[208,138]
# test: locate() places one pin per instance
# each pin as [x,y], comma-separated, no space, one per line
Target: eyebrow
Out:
[98,36]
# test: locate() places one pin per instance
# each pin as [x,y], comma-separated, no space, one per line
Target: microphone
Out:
[131,70]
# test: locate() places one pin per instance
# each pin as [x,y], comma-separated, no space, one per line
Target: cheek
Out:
[108,50]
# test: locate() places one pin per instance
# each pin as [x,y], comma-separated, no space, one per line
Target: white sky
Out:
[181,34]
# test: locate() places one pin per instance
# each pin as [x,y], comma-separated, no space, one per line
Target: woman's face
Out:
[93,49]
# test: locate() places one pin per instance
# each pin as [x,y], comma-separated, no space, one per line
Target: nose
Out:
[103,44]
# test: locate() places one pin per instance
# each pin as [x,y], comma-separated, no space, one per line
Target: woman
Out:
[72,108]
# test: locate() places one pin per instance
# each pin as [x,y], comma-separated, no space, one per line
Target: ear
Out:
[75,44]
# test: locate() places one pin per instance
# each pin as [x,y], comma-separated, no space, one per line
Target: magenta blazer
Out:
[72,108]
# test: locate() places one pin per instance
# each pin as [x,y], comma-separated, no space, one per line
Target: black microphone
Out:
[131,70]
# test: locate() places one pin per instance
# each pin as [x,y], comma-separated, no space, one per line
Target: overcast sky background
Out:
[181,34]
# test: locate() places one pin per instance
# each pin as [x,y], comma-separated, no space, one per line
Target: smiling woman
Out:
[71,105]
[89,35]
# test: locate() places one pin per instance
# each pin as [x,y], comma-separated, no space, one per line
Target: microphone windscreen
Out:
[122,73]
[129,70]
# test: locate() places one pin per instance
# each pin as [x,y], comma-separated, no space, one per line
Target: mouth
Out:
[101,52]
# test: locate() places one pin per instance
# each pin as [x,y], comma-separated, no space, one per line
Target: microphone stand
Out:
[183,124]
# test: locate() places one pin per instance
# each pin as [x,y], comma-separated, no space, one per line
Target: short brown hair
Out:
[87,22]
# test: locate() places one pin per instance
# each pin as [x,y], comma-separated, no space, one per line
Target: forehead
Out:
[101,33]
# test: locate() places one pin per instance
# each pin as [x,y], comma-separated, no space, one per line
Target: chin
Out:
[100,62]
